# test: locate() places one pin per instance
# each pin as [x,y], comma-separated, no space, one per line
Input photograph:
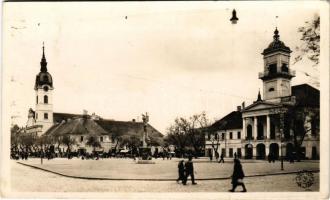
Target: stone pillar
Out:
[255,127]
[268,127]
[244,130]
[267,149]
[254,150]
[243,151]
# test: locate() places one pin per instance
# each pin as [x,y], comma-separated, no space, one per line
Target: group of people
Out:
[186,169]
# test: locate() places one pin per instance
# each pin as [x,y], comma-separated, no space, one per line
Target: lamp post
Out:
[281,111]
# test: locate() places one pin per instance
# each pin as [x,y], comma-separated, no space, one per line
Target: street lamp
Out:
[281,111]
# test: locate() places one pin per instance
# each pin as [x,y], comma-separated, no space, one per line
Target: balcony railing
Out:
[275,73]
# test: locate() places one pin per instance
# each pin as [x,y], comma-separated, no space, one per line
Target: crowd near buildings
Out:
[250,132]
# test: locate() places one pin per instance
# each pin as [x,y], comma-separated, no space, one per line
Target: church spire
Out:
[259,96]
[43,62]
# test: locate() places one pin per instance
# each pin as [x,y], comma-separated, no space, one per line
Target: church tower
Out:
[277,74]
[44,99]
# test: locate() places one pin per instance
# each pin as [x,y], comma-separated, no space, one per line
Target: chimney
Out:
[239,108]
[133,120]
[243,105]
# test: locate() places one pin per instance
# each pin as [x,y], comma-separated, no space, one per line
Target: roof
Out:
[111,126]
[78,126]
[59,117]
[231,121]
[306,95]
[127,127]
[276,45]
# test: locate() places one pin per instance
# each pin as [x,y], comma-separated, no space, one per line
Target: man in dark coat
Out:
[181,172]
[237,177]
[189,171]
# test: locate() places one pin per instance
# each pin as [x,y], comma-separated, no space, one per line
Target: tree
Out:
[310,47]
[93,142]
[131,141]
[68,141]
[188,133]
[14,137]
[302,120]
[311,41]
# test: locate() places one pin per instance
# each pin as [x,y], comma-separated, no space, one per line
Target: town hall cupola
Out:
[44,98]
[277,75]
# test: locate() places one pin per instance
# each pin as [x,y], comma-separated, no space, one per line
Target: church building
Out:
[263,128]
[80,127]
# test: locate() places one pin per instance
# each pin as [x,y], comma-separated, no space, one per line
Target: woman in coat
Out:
[238,175]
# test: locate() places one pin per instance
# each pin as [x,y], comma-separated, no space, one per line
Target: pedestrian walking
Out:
[189,169]
[181,172]
[216,156]
[235,155]
[237,177]
[221,158]
[270,159]
[211,157]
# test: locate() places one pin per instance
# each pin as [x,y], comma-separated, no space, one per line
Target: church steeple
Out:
[259,96]
[43,62]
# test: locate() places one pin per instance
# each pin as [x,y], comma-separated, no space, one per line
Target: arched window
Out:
[45,99]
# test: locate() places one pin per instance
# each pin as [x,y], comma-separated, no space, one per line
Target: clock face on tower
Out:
[45,88]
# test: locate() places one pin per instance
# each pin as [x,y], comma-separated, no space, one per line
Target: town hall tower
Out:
[277,74]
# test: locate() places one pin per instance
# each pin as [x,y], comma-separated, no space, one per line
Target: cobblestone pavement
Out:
[26,179]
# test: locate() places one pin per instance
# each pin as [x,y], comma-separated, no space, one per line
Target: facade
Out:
[264,129]
[79,127]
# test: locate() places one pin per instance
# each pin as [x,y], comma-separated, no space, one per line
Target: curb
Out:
[141,179]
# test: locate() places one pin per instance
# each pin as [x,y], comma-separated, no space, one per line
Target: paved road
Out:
[163,169]
[26,179]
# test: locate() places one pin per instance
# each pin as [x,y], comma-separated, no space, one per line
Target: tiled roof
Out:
[127,127]
[78,126]
[109,126]
[306,95]
[231,121]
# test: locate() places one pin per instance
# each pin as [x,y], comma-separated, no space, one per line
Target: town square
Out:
[163,97]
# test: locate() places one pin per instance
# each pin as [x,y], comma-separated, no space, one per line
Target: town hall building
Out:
[262,128]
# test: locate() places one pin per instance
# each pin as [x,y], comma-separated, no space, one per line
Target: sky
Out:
[122,59]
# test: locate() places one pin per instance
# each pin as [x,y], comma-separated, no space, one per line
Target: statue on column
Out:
[145,119]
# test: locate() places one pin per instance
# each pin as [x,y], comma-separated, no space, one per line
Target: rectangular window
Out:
[216,136]
[230,135]
[238,135]
[231,152]
[101,139]
[36,115]
[223,136]
[81,138]
[37,99]
[45,115]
